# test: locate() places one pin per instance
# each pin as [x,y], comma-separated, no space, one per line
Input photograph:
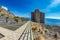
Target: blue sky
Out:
[23,8]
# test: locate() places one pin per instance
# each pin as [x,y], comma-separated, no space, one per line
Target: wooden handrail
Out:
[31,35]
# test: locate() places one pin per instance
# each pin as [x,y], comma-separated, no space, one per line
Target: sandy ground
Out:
[43,32]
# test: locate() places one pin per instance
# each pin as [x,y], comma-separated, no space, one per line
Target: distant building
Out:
[37,16]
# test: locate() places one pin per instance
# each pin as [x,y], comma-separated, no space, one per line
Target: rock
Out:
[11,20]
[2,19]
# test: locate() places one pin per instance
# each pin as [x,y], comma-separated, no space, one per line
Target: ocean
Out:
[53,22]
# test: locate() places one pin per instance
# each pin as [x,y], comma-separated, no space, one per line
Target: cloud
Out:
[53,17]
[4,7]
[54,3]
[49,12]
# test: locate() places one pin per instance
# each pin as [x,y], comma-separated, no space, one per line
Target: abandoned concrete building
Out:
[37,16]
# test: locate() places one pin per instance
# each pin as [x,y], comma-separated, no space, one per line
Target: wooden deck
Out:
[22,33]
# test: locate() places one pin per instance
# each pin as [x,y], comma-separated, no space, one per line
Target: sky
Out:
[23,8]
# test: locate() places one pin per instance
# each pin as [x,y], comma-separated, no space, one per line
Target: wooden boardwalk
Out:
[22,33]
[27,33]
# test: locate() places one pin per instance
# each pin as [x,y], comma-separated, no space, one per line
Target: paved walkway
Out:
[22,33]
[26,33]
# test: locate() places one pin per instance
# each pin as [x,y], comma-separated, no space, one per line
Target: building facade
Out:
[37,16]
